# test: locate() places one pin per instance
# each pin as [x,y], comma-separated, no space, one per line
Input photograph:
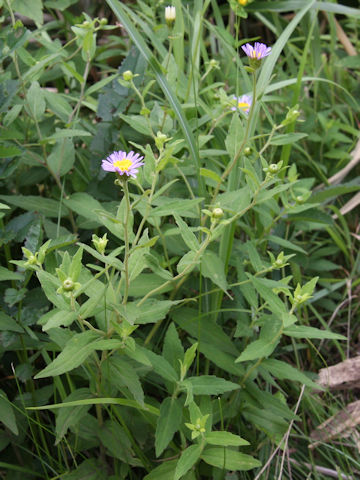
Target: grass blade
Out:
[119,11]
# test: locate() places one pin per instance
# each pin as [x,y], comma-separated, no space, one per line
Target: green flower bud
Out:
[103,21]
[128,75]
[273,168]
[145,112]
[247,151]
[214,63]
[68,285]
[217,213]
[100,243]
[160,140]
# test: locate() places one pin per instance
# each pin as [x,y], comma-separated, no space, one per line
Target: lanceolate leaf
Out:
[188,458]
[76,351]
[168,423]
[229,459]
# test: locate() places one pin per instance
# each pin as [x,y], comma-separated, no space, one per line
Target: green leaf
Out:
[36,101]
[332,192]
[8,152]
[184,207]
[62,157]
[89,469]
[270,61]
[99,401]
[287,138]
[205,172]
[283,370]
[187,235]
[213,267]
[6,274]
[66,133]
[76,265]
[301,331]
[274,302]
[58,104]
[122,373]
[67,418]
[285,243]
[9,324]
[151,311]
[208,385]
[188,262]
[229,459]
[7,416]
[188,458]
[235,136]
[35,12]
[76,351]
[83,204]
[225,439]
[165,471]
[59,318]
[269,338]
[33,203]
[168,423]
[173,350]
[161,366]
[236,201]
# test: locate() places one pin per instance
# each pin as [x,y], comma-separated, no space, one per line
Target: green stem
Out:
[126,240]
[243,143]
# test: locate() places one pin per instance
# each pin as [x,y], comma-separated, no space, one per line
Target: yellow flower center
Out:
[243,2]
[243,105]
[123,165]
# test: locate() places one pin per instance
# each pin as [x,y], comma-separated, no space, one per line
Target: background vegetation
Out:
[187,345]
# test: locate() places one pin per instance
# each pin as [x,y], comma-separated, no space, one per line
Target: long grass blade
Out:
[119,11]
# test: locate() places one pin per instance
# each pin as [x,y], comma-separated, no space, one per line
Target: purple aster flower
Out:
[242,103]
[123,163]
[258,51]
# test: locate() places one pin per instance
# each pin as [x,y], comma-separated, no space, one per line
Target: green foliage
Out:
[162,327]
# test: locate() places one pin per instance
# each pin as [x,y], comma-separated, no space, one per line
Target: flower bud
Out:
[100,243]
[273,168]
[68,285]
[217,213]
[247,151]
[214,63]
[160,139]
[291,116]
[170,15]
[128,75]
[103,21]
[243,2]
[145,112]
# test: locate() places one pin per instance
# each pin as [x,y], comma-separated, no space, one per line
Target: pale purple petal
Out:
[111,163]
[107,166]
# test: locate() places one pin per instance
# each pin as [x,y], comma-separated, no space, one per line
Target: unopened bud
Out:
[100,243]
[214,63]
[243,2]
[247,151]
[273,168]
[145,112]
[160,139]
[128,76]
[68,285]
[170,15]
[103,21]
[217,213]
